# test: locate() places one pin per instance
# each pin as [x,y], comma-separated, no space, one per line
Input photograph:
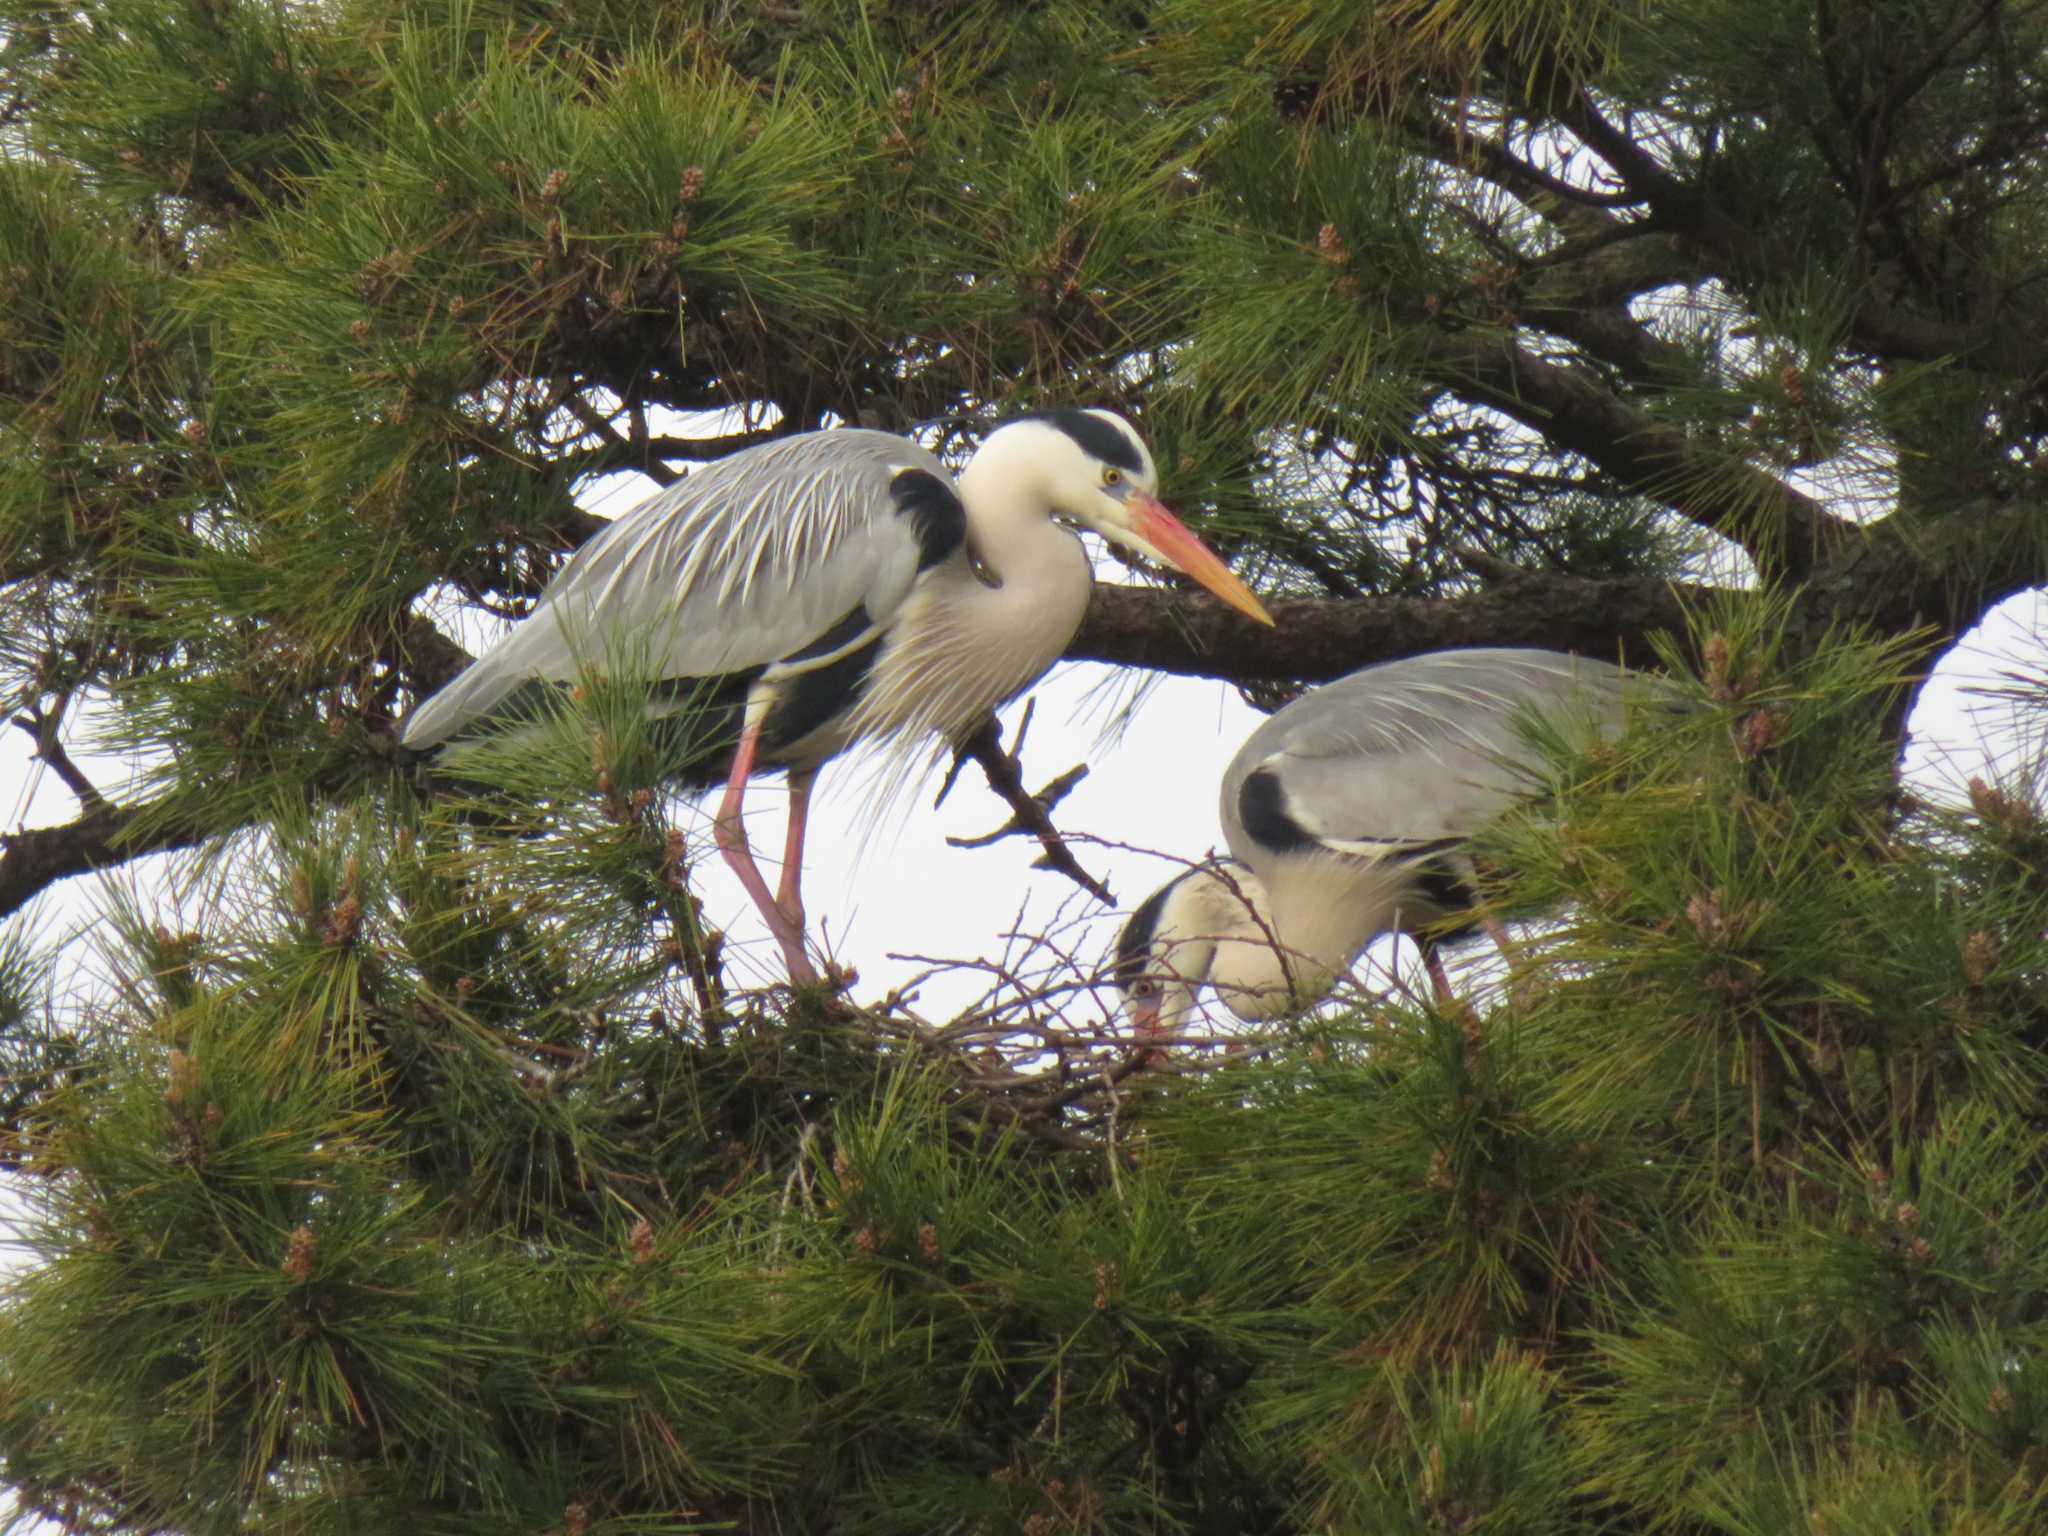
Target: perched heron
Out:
[1347,814]
[834,587]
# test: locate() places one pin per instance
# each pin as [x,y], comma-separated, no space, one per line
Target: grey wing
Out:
[1410,754]
[747,561]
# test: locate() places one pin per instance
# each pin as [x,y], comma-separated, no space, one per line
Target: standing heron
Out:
[835,587]
[1347,814]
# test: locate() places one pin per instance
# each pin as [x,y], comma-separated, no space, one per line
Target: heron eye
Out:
[1144,988]
[1112,476]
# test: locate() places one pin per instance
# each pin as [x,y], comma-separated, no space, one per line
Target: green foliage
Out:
[432,1173]
[446,1182]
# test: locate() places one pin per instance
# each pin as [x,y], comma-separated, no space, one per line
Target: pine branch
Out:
[1314,639]
[1615,337]
[1879,323]
[1785,532]
[33,861]
[45,728]
[1493,161]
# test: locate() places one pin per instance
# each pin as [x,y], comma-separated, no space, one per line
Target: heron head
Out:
[1213,926]
[1100,474]
[1169,947]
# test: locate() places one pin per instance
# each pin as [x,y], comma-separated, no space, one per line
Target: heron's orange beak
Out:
[1169,536]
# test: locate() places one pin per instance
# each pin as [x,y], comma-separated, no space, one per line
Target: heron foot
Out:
[801,972]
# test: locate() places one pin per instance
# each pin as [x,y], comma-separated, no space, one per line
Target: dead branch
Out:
[1005,774]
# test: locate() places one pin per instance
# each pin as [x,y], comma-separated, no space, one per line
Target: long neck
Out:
[1324,911]
[1010,531]
[973,635]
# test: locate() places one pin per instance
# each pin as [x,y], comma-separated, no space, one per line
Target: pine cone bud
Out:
[1996,806]
[1105,1282]
[643,1241]
[1704,912]
[344,924]
[1715,654]
[1980,957]
[298,1258]
[184,1084]
[1758,733]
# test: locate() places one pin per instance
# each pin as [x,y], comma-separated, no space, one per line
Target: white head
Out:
[1090,467]
[1210,925]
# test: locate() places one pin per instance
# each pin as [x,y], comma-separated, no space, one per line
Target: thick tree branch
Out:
[33,861]
[1613,336]
[1491,160]
[1642,172]
[428,658]
[1786,533]
[1314,639]
[1911,572]
[1879,324]
[52,752]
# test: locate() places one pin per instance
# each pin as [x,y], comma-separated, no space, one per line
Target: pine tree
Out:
[438,1178]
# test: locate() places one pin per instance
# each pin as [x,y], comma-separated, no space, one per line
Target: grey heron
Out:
[840,586]
[1347,814]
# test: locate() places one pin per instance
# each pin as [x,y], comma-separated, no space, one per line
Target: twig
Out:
[44,728]
[1032,812]
[1048,797]
[960,758]
[1116,1182]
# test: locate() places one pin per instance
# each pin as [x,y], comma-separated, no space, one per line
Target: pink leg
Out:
[789,896]
[730,833]
[1448,1002]
[1439,979]
[1522,988]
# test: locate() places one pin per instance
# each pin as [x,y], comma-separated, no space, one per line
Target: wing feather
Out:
[738,565]
[1397,757]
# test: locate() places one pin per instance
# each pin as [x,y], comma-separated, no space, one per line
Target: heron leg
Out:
[730,833]
[1448,1002]
[789,895]
[1521,987]
[1439,978]
[1497,931]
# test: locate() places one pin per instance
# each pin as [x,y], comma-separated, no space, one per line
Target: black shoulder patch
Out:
[810,700]
[1443,887]
[1134,943]
[1096,436]
[845,632]
[1262,810]
[935,514]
